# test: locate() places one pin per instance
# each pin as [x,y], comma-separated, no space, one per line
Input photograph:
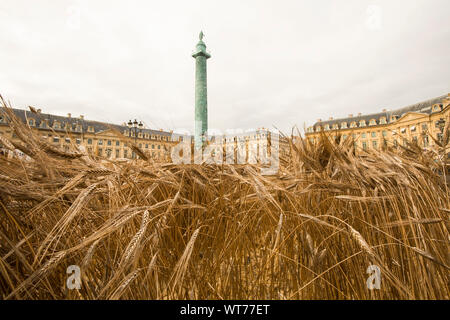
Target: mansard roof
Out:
[74,122]
[422,107]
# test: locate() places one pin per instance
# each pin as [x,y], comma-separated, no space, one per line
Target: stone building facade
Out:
[99,139]
[417,123]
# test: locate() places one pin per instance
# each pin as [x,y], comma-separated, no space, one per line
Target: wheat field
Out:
[146,230]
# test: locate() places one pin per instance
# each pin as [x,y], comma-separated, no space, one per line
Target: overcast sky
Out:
[274,63]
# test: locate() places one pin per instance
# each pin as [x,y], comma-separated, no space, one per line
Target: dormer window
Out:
[327,127]
[403,130]
[353,124]
[56,125]
[393,118]
[31,122]
[91,129]
[318,129]
[362,123]
[383,120]
[372,122]
[335,126]
[413,128]
[436,108]
[344,125]
[2,119]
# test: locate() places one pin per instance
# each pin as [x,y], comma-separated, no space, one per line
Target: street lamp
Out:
[136,128]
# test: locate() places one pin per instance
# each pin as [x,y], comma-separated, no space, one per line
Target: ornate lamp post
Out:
[136,128]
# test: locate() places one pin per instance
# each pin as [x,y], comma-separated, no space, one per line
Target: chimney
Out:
[81,117]
[384,110]
[319,120]
[350,115]
[69,115]
[359,114]
[331,118]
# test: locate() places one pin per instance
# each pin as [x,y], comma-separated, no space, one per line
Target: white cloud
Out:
[273,63]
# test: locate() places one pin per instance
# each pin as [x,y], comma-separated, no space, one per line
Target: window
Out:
[413,128]
[109,142]
[364,145]
[117,143]
[393,118]
[372,122]
[2,119]
[99,151]
[415,140]
[374,144]
[373,134]
[67,140]
[153,146]
[344,125]
[327,127]
[146,146]
[353,124]
[91,129]
[383,120]
[425,141]
[117,153]
[403,130]
[78,141]
[364,135]
[159,146]
[335,126]
[140,145]
[100,142]
[362,123]
[424,126]
[395,143]
[125,153]
[89,141]
[56,139]
[56,125]
[108,153]
[436,108]
[344,136]
[318,129]
[31,122]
